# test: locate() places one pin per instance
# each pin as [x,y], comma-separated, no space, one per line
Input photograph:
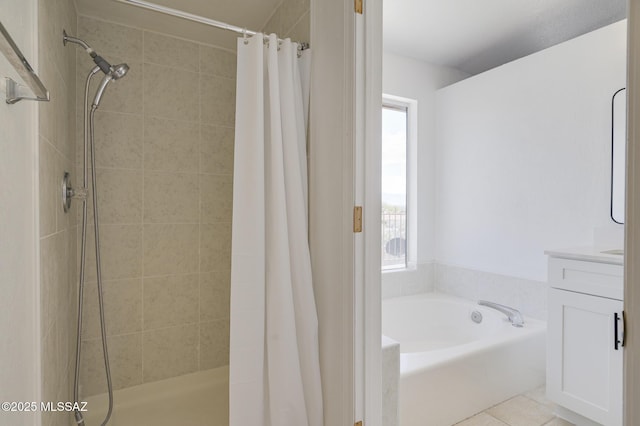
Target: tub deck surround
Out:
[390,381]
[451,367]
[604,254]
[190,400]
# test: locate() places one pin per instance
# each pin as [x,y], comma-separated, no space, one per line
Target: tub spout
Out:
[514,315]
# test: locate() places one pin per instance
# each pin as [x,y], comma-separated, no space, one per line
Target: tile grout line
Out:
[200,193]
[142,260]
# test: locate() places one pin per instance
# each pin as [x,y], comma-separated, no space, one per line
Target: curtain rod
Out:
[196,18]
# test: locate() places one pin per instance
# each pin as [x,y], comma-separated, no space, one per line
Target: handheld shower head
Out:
[119,71]
[115,73]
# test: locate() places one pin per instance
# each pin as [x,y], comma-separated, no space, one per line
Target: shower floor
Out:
[198,399]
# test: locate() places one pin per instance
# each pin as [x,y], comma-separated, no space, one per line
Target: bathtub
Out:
[195,399]
[452,368]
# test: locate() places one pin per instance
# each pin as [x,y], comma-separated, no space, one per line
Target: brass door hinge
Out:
[358,6]
[357,219]
[358,423]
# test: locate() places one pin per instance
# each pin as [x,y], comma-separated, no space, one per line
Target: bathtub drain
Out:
[476,317]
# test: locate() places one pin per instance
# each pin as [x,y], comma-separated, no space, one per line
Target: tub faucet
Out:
[514,315]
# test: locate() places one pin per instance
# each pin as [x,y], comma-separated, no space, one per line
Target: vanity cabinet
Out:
[585,339]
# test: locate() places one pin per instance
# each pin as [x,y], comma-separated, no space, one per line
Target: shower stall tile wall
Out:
[291,20]
[164,142]
[58,269]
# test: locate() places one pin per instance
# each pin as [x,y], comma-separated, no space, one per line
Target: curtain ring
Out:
[244,36]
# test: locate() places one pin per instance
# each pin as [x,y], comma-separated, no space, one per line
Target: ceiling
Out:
[250,14]
[476,35]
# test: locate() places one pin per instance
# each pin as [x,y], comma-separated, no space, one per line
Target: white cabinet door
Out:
[584,371]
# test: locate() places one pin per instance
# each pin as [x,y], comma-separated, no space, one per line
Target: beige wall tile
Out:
[216,149]
[157,145]
[170,197]
[171,94]
[170,300]
[60,15]
[58,274]
[121,252]
[118,139]
[48,188]
[170,352]
[73,276]
[64,220]
[125,357]
[216,198]
[170,249]
[49,365]
[292,11]
[110,39]
[214,344]
[165,50]
[301,31]
[119,196]
[53,277]
[47,110]
[123,95]
[215,247]
[64,136]
[218,100]
[63,336]
[274,25]
[171,145]
[123,308]
[217,62]
[215,289]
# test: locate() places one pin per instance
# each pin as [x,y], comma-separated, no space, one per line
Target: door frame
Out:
[368,368]
[632,221]
[367,280]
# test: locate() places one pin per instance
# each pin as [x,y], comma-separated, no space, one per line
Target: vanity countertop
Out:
[589,254]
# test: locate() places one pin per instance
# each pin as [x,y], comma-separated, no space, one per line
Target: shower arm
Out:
[104,66]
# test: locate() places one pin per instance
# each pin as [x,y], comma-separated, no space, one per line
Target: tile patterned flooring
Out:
[528,409]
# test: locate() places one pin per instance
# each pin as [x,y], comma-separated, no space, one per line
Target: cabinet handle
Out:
[615,331]
[624,329]
[618,343]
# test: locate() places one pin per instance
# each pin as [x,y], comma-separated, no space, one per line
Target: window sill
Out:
[408,268]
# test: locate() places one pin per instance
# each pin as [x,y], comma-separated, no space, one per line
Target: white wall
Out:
[523,156]
[18,326]
[413,79]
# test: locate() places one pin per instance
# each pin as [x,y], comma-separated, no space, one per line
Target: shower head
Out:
[115,73]
[119,71]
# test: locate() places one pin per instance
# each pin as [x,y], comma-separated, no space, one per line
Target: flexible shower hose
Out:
[89,145]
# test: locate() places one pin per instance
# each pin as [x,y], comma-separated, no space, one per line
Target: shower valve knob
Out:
[79,193]
[68,193]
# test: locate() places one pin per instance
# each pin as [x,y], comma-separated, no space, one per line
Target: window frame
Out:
[410,106]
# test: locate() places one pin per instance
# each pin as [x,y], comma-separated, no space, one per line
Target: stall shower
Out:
[111,73]
[163,128]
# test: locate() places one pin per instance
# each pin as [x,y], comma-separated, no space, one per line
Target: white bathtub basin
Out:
[197,399]
[451,367]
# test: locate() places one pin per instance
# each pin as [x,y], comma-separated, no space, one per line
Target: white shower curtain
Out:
[274,377]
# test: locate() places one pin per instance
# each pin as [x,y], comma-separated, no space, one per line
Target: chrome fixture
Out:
[115,73]
[15,57]
[197,18]
[68,193]
[514,315]
[476,316]
[111,73]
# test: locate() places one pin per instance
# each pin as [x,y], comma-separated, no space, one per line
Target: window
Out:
[395,120]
